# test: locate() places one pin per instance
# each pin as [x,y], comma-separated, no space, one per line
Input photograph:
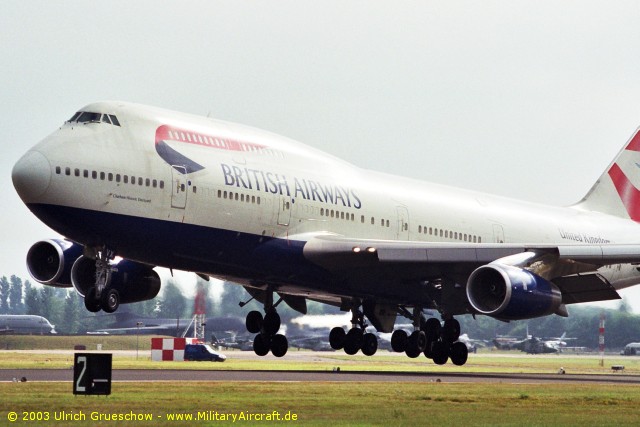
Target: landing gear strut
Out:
[266,327]
[101,296]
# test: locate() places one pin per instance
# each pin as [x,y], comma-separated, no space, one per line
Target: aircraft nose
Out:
[31,176]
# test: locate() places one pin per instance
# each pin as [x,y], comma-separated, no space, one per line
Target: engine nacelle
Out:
[511,293]
[134,282]
[50,261]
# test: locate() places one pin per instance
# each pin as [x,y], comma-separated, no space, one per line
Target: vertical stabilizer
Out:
[616,191]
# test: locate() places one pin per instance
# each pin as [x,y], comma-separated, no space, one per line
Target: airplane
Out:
[533,345]
[127,323]
[132,187]
[25,324]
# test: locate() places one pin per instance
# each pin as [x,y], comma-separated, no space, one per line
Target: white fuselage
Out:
[257,184]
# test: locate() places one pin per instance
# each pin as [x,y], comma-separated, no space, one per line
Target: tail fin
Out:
[616,191]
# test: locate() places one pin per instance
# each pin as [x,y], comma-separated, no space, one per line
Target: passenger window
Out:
[161,184]
[67,171]
[110,176]
[147,182]
[58,171]
[85,173]
[126,179]
[102,176]
[155,184]
[118,177]
[94,174]
[76,172]
[139,181]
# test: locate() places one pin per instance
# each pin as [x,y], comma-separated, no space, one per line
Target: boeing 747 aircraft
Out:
[132,187]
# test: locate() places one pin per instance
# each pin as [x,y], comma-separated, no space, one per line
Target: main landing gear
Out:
[101,295]
[267,327]
[436,341]
[356,339]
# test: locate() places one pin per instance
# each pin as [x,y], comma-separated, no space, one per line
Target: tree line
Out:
[64,308]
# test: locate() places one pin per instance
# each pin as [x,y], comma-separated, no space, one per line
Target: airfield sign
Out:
[92,373]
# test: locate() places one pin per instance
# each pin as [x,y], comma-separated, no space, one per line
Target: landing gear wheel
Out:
[428,349]
[440,353]
[353,341]
[451,331]
[418,340]
[279,345]
[399,340]
[459,353]
[271,323]
[369,344]
[432,329]
[261,345]
[110,300]
[254,321]
[91,302]
[337,338]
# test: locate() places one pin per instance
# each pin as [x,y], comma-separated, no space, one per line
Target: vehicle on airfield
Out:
[132,187]
[202,352]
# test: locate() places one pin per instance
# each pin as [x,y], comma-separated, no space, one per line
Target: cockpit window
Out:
[89,117]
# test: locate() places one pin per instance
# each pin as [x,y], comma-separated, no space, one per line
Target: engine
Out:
[134,282]
[50,261]
[511,293]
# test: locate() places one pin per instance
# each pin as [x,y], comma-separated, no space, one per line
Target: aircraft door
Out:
[498,233]
[402,230]
[284,211]
[179,192]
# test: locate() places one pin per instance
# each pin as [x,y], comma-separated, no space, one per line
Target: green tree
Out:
[15,295]
[173,303]
[4,295]
[32,301]
[73,306]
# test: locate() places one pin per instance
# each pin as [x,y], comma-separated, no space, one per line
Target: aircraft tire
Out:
[440,353]
[261,345]
[399,340]
[451,331]
[353,341]
[428,349]
[253,322]
[369,344]
[110,300]
[91,303]
[337,338]
[279,345]
[459,353]
[417,340]
[432,329]
[271,324]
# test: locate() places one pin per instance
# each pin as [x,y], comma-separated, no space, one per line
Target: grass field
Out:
[402,403]
[434,404]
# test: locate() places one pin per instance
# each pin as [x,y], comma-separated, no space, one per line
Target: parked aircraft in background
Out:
[133,187]
[127,323]
[533,345]
[25,324]
[631,349]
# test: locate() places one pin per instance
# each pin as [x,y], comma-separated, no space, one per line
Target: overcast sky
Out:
[527,99]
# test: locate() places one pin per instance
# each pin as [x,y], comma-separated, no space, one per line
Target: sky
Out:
[526,99]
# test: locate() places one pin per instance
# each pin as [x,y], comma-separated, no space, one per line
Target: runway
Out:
[138,375]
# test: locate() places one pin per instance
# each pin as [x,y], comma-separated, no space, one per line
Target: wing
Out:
[573,269]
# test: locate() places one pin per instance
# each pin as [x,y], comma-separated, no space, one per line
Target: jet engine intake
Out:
[134,281]
[50,261]
[511,293]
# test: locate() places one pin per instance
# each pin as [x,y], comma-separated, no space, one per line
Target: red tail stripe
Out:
[634,144]
[628,193]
